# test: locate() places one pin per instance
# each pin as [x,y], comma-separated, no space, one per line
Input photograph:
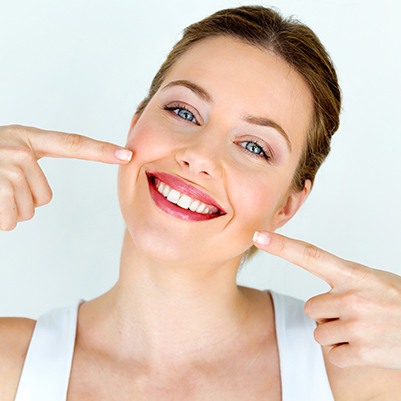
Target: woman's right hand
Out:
[23,186]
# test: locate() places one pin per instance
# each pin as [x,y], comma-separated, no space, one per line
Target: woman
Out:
[222,152]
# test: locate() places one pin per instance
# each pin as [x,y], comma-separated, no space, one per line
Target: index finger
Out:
[61,144]
[320,263]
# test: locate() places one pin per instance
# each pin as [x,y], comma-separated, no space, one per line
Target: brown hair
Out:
[293,42]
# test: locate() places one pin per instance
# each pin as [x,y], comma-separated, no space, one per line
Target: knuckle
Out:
[104,148]
[354,302]
[391,287]
[359,354]
[27,214]
[7,224]
[12,130]
[280,244]
[312,253]
[352,330]
[17,176]
[6,193]
[309,307]
[47,196]
[339,357]
[11,151]
[360,272]
[317,334]
[22,154]
[14,127]
[44,198]
[74,142]
[354,299]
[31,213]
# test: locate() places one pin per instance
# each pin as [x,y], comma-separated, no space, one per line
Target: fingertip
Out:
[261,238]
[123,155]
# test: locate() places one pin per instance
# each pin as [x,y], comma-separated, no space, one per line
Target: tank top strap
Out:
[47,366]
[303,371]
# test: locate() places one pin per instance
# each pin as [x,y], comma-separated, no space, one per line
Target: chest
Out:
[254,380]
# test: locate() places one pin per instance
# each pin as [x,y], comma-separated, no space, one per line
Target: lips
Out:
[180,199]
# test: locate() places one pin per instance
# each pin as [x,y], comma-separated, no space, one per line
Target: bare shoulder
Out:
[15,335]
[363,383]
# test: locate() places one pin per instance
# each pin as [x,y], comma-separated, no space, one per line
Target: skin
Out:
[176,315]
[358,320]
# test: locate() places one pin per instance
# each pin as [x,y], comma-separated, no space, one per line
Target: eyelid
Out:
[268,151]
[180,105]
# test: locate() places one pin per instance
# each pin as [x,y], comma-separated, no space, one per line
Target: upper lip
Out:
[184,187]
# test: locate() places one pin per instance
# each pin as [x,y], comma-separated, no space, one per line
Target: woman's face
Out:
[225,130]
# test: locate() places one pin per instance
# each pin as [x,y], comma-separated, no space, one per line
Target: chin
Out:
[163,248]
[179,251]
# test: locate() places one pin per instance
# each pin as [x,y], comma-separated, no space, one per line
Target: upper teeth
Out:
[183,200]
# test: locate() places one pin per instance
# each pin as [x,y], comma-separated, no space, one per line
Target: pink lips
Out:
[185,188]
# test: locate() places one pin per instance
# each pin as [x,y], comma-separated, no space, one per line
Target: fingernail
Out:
[261,238]
[123,155]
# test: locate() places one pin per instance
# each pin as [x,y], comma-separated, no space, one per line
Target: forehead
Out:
[244,79]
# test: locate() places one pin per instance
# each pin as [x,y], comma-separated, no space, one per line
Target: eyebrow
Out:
[255,120]
[193,87]
[266,122]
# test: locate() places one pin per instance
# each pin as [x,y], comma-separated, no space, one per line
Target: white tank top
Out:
[47,366]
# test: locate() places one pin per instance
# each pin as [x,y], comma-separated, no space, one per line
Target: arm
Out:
[15,334]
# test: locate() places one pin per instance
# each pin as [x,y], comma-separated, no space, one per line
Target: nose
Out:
[202,156]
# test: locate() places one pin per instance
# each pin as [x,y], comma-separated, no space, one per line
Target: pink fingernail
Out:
[261,238]
[123,155]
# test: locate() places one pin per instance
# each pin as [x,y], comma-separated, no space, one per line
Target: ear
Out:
[290,206]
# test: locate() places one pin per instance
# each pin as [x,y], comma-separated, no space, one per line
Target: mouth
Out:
[182,200]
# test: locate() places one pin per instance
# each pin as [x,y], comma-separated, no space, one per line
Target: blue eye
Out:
[182,112]
[255,149]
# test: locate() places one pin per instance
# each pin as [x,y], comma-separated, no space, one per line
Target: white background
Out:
[83,66]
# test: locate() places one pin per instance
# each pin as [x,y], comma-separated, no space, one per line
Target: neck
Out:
[164,312]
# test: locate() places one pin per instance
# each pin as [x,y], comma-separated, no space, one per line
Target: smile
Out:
[180,199]
[183,200]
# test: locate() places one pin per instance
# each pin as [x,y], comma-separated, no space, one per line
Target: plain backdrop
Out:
[83,66]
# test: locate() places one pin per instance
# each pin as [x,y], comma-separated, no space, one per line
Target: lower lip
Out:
[174,210]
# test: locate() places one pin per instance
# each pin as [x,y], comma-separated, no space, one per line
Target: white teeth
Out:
[173,196]
[182,200]
[201,208]
[166,190]
[194,205]
[160,186]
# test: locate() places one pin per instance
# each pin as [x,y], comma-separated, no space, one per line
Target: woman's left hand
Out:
[360,317]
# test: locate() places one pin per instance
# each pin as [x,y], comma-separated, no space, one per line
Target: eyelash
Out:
[177,106]
[264,151]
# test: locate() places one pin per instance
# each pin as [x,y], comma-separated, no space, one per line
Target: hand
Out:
[359,319]
[23,186]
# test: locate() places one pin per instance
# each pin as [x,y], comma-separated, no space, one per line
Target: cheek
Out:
[145,141]
[256,201]
[149,143]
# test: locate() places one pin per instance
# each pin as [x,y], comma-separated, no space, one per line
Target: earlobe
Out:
[291,205]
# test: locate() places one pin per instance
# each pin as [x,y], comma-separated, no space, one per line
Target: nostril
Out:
[198,162]
[184,163]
